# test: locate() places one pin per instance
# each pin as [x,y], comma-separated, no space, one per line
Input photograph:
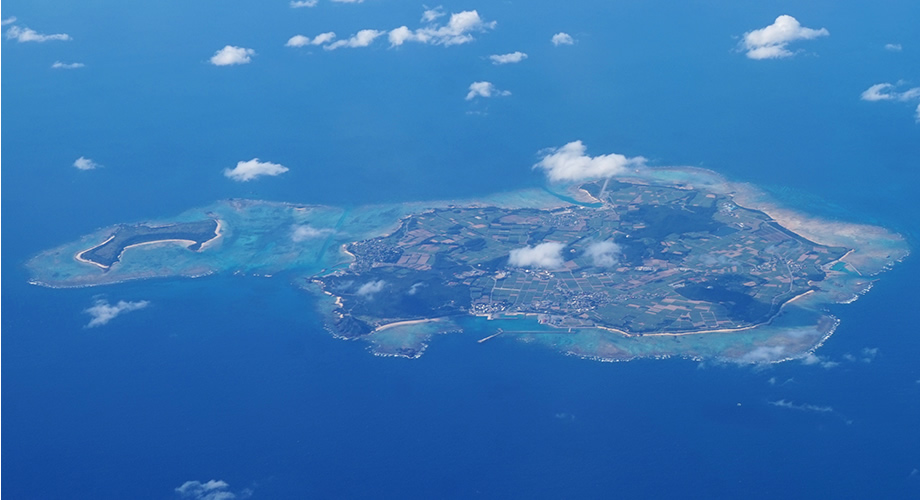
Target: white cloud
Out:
[763,354]
[812,359]
[431,15]
[877,92]
[772,41]
[514,57]
[458,30]
[887,92]
[890,92]
[893,47]
[403,34]
[211,490]
[869,354]
[771,52]
[362,38]
[348,1]
[400,36]
[302,41]
[249,170]
[61,65]
[23,34]
[323,38]
[298,4]
[298,41]
[370,288]
[102,312]
[570,163]
[85,163]
[415,288]
[484,89]
[231,55]
[773,381]
[9,20]
[782,403]
[603,253]
[307,232]
[562,38]
[545,255]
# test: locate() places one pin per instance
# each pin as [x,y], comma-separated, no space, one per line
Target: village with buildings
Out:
[644,260]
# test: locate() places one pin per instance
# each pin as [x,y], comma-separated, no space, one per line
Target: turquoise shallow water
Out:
[263,238]
[232,377]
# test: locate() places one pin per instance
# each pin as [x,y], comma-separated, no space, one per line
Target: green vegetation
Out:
[677,261]
[109,252]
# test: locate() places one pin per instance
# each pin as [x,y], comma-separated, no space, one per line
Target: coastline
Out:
[623,333]
[867,242]
[870,249]
[407,323]
[217,235]
[79,255]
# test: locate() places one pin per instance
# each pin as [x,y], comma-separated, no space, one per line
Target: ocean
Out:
[233,378]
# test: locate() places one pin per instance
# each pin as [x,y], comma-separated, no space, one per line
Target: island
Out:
[193,234]
[662,262]
[649,260]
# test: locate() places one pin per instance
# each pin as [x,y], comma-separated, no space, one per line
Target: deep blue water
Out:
[232,378]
